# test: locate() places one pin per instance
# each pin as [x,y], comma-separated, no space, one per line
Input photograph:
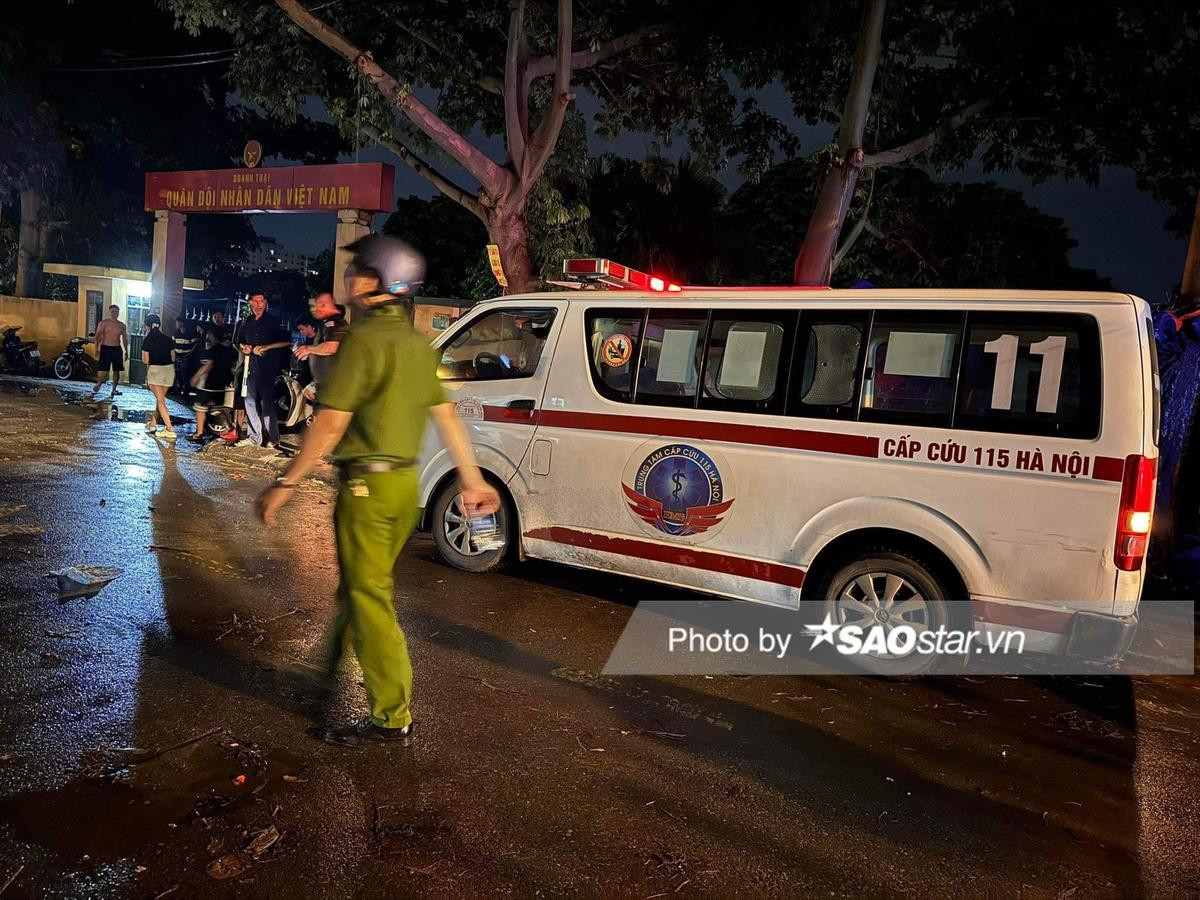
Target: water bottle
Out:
[485,533]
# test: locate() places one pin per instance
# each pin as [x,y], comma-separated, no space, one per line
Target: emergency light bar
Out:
[594,270]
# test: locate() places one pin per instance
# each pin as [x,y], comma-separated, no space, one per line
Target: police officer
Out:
[374,409]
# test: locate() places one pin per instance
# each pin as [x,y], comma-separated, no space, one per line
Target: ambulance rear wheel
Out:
[452,534]
[897,598]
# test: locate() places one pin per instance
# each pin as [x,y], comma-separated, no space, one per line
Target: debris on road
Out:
[263,841]
[229,866]
[83,581]
[50,659]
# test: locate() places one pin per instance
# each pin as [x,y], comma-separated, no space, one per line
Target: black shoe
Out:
[364,731]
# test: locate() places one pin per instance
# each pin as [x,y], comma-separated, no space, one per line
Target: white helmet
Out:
[400,266]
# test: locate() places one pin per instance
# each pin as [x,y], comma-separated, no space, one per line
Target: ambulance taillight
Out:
[1137,508]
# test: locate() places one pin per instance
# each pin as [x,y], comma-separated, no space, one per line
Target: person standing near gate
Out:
[330,332]
[374,410]
[112,341]
[186,337]
[264,342]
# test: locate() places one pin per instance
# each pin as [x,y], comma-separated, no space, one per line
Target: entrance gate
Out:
[351,190]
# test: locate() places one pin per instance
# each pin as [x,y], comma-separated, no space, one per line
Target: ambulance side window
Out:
[612,349]
[1031,373]
[507,343]
[745,365]
[669,361]
[829,348]
[911,368]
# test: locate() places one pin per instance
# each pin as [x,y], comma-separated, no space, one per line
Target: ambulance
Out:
[873,453]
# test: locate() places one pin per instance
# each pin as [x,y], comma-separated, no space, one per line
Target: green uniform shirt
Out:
[386,374]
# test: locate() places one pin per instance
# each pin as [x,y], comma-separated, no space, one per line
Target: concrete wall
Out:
[425,311]
[52,323]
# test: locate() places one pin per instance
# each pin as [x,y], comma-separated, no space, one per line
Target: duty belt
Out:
[358,469]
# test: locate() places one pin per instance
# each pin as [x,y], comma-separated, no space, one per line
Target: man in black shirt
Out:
[265,344]
[332,330]
[218,327]
[187,344]
[213,382]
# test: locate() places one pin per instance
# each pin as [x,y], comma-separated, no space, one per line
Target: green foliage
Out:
[659,216]
[557,211]
[85,139]
[450,237]
[930,233]
[321,278]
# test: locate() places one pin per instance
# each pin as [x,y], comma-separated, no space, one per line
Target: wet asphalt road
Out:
[532,774]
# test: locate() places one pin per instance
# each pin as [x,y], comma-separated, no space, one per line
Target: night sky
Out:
[1118,228]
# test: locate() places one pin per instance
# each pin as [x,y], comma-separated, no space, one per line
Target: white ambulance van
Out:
[876,451]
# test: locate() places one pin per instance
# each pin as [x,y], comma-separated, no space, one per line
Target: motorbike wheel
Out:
[63,368]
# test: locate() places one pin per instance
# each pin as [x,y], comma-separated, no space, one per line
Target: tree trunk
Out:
[814,262]
[509,231]
[31,245]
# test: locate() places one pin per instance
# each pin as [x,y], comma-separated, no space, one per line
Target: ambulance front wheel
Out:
[892,599]
[452,534]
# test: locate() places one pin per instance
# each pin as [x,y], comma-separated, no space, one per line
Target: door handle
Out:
[519,409]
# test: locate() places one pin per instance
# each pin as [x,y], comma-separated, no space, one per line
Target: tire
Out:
[868,589]
[444,523]
[63,368]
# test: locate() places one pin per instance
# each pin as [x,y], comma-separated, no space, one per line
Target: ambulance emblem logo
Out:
[678,490]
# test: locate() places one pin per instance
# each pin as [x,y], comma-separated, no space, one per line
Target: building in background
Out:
[433,315]
[99,287]
[272,256]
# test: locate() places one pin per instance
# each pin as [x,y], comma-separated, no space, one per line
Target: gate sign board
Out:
[367,186]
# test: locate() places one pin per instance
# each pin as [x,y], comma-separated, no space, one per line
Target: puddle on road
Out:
[143,801]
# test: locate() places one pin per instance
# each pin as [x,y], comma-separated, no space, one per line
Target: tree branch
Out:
[541,144]
[459,195]
[487,172]
[515,124]
[489,83]
[855,232]
[891,240]
[585,59]
[862,77]
[907,151]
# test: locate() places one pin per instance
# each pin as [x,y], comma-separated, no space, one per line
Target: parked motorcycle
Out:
[292,403]
[75,361]
[19,357]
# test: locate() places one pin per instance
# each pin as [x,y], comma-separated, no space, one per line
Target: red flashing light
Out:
[613,274]
[1137,508]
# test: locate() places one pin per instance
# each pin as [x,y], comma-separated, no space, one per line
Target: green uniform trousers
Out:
[374,516]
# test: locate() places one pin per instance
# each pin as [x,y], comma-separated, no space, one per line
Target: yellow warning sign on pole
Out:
[497,267]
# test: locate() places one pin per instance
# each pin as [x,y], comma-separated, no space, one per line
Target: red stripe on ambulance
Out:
[759,435]
[681,555]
